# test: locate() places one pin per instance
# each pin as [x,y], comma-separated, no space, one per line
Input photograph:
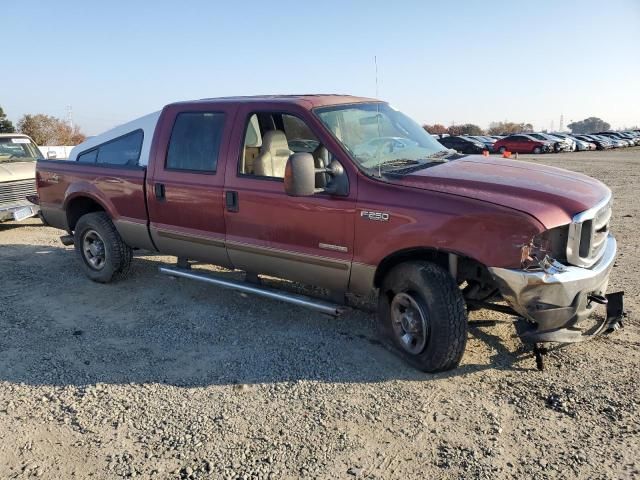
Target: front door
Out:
[306,239]
[185,186]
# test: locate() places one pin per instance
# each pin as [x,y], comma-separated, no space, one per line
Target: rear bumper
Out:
[555,303]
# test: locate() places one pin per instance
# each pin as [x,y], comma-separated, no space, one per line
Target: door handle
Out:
[231,201]
[158,188]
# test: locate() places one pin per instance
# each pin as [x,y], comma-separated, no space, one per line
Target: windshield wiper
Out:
[399,162]
[440,154]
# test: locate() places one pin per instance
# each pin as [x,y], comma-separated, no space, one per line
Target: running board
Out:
[294,298]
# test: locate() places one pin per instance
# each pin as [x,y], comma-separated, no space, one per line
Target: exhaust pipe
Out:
[322,306]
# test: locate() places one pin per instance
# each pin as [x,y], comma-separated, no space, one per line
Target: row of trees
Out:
[43,129]
[588,125]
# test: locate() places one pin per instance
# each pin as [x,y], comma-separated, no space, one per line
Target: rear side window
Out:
[195,142]
[121,151]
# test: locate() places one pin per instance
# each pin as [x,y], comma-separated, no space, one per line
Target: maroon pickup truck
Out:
[347,194]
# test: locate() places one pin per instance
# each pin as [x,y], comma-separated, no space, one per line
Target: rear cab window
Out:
[195,141]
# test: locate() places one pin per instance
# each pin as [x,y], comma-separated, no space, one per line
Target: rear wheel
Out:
[103,255]
[421,314]
[537,150]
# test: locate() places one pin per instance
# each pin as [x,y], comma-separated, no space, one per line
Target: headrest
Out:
[275,141]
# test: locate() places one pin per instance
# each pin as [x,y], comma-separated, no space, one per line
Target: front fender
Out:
[488,233]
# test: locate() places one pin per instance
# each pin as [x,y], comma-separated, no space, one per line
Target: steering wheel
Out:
[384,144]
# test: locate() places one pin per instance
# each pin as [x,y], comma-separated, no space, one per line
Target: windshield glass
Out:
[378,136]
[18,149]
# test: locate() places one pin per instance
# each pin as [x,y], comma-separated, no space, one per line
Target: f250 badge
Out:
[376,216]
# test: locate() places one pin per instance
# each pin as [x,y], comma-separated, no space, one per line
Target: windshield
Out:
[18,149]
[377,136]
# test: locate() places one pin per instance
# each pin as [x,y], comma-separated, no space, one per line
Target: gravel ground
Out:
[154,377]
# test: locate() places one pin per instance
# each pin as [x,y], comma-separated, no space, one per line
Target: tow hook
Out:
[599,299]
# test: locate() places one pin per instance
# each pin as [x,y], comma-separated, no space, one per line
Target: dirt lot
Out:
[160,378]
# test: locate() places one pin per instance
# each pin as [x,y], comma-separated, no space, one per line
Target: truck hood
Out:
[11,171]
[551,195]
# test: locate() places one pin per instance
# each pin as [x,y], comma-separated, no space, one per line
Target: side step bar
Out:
[296,299]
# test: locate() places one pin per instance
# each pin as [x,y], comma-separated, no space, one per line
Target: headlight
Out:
[548,247]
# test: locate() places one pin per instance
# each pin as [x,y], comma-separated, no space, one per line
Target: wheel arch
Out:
[433,255]
[80,205]
[461,267]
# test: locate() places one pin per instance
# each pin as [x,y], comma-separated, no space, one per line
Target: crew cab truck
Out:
[284,186]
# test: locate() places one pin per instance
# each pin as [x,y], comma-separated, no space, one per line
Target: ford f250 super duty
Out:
[347,194]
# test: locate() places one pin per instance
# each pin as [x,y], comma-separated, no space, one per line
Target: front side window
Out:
[195,142]
[121,151]
[299,136]
[271,138]
[374,132]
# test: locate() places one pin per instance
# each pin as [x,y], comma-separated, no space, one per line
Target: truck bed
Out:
[119,190]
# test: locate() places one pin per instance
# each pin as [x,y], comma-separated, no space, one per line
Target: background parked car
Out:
[617,142]
[623,136]
[485,140]
[18,155]
[580,145]
[600,143]
[463,144]
[559,145]
[523,143]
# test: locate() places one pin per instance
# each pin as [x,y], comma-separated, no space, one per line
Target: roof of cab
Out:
[306,100]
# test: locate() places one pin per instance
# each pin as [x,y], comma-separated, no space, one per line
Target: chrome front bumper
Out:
[17,211]
[555,302]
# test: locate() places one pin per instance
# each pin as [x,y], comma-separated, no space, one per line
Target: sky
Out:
[439,62]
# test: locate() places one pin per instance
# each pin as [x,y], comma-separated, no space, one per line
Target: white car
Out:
[572,142]
[580,145]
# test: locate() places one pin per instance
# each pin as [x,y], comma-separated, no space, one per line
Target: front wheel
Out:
[502,149]
[422,314]
[103,255]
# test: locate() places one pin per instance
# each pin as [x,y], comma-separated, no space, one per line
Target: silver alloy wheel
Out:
[93,250]
[410,324]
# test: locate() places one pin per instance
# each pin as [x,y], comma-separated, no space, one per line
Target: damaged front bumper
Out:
[556,302]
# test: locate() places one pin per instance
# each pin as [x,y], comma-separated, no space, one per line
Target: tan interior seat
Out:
[273,156]
[252,144]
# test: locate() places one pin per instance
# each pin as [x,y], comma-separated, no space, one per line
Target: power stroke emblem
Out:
[375,216]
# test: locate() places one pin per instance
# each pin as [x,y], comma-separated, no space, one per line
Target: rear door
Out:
[185,185]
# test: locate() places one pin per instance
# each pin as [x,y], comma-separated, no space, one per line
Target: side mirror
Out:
[300,175]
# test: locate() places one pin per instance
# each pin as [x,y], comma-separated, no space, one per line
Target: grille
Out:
[12,192]
[588,234]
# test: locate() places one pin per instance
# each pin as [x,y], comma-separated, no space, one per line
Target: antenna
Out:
[561,122]
[70,116]
[375,61]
